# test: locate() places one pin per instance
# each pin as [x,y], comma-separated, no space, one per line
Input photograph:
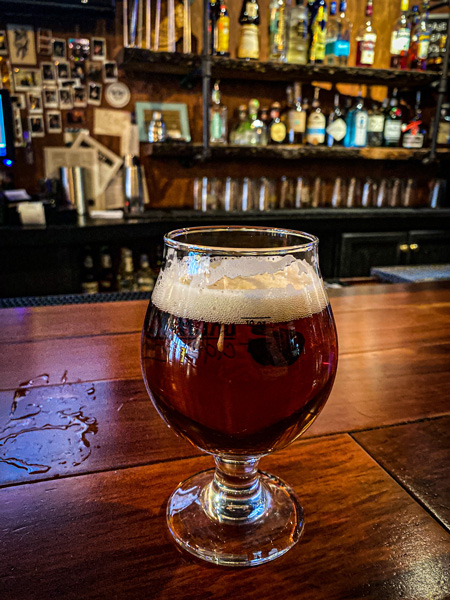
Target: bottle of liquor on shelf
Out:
[420,41]
[375,126]
[339,33]
[400,39]
[106,276]
[337,128]
[316,124]
[125,276]
[360,120]
[366,39]
[223,30]
[256,134]
[218,118]
[297,34]
[348,122]
[414,132]
[393,122]
[238,135]
[297,118]
[214,9]
[318,34]
[443,136]
[145,277]
[248,48]
[157,128]
[89,283]
[277,129]
[277,30]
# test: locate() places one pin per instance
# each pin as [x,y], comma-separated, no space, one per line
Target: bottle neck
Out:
[369,9]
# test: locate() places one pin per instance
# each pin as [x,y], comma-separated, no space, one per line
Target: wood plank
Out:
[417,455]
[104,536]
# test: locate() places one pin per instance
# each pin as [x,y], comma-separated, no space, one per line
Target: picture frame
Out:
[44,42]
[95,93]
[62,70]
[3,43]
[19,101]
[65,98]
[76,118]
[110,71]
[34,103]
[51,98]
[175,116]
[36,126]
[80,97]
[21,43]
[53,121]
[59,49]
[94,71]
[98,48]
[78,71]
[79,49]
[26,79]
[48,73]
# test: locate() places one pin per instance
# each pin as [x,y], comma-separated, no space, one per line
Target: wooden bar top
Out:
[87,465]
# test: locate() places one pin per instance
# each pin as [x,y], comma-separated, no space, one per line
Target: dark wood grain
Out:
[104,536]
[417,455]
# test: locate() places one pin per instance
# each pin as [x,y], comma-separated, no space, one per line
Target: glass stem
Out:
[235,495]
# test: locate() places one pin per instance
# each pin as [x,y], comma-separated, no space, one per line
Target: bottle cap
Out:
[157,115]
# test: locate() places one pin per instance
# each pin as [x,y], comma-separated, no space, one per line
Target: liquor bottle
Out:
[214,10]
[277,30]
[360,119]
[89,283]
[297,118]
[339,33]
[106,277]
[400,39]
[239,134]
[223,31]
[145,277]
[366,39]
[319,32]
[125,275]
[337,128]
[349,123]
[249,39]
[218,118]
[443,136]
[316,124]
[264,116]
[414,132]
[277,129]
[297,34]
[157,128]
[255,127]
[420,41]
[375,126]
[393,122]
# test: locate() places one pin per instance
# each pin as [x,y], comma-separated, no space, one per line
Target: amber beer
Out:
[239,388]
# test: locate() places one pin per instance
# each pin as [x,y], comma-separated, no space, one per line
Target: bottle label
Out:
[278,132]
[145,284]
[316,129]
[338,48]
[223,35]
[251,8]
[297,121]
[89,287]
[376,124]
[392,130]
[360,139]
[249,42]
[216,127]
[400,40]
[413,141]
[423,46]
[443,133]
[337,129]
[368,49]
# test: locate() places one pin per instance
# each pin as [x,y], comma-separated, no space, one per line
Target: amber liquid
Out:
[239,389]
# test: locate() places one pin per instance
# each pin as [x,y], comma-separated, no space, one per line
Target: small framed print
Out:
[93,71]
[34,102]
[175,115]
[78,71]
[65,99]
[26,79]
[59,48]
[51,98]
[48,73]
[98,49]
[75,118]
[3,43]
[62,70]
[95,94]
[36,126]
[44,42]
[80,97]
[54,122]
[19,101]
[110,73]
[21,42]
[78,49]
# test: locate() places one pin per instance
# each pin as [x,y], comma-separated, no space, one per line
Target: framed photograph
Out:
[26,79]
[79,49]
[3,43]
[59,48]
[62,70]
[95,94]
[75,118]
[53,122]
[19,101]
[51,98]
[44,42]
[21,42]
[175,116]
[36,126]
[78,71]
[94,71]
[48,73]
[80,97]
[65,99]
[110,73]
[98,49]
[34,102]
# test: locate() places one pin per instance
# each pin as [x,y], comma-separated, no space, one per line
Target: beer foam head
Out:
[272,289]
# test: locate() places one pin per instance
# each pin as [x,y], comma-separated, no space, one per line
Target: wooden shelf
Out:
[138,60]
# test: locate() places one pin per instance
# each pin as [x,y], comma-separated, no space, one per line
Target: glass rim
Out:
[171,241]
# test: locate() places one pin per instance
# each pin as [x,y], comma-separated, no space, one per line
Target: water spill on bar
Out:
[48,427]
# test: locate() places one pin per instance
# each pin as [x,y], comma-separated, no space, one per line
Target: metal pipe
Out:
[206,82]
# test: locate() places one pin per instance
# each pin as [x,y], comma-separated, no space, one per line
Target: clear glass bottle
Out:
[339,33]
[218,118]
[157,128]
[125,276]
[337,127]
[316,124]
[277,129]
[375,126]
[414,133]
[297,118]
[249,19]
[393,123]
[239,134]
[145,277]
[255,125]
[400,39]
[366,39]
[443,136]
[277,30]
[223,31]
[360,120]
[297,34]
[319,32]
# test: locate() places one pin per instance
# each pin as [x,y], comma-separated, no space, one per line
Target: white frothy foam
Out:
[236,290]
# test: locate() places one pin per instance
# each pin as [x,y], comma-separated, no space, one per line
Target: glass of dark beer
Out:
[239,355]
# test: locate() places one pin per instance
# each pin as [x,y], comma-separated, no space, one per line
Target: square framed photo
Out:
[110,72]
[36,126]
[62,70]
[95,94]
[175,116]
[19,101]
[59,49]
[80,97]
[51,98]
[26,79]
[34,102]
[98,49]
[22,46]
[66,98]
[3,43]
[48,73]
[53,121]
[78,71]
[79,49]
[94,71]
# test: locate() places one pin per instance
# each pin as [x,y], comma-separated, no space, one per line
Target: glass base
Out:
[269,532]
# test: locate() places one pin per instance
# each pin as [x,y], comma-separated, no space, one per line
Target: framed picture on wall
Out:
[54,122]
[26,79]
[22,46]
[36,125]
[34,102]
[98,49]
[51,98]
[175,117]
[48,73]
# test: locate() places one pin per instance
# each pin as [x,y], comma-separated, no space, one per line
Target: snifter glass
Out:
[239,354]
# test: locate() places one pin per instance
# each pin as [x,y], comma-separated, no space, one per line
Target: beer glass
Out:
[239,354]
